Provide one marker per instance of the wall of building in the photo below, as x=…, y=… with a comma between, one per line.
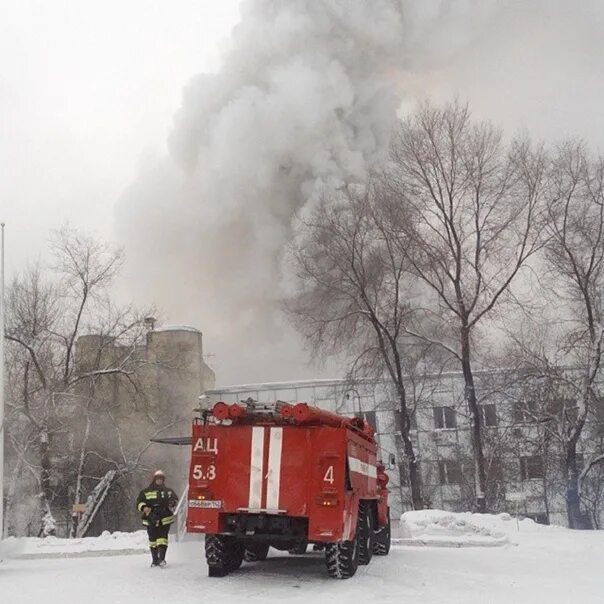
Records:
x=520, y=463
x=170, y=374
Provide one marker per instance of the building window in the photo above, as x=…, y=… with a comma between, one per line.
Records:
x=488, y=415
x=531, y=467
x=412, y=420
x=494, y=470
x=403, y=471
x=370, y=417
x=449, y=472
x=525, y=412
x=559, y=406
x=444, y=417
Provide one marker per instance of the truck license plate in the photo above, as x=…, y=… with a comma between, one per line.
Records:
x=205, y=503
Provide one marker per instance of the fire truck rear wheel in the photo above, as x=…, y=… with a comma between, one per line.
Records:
x=217, y=554
x=224, y=554
x=256, y=552
x=342, y=559
x=381, y=543
x=366, y=529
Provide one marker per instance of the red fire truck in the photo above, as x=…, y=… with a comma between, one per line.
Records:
x=286, y=476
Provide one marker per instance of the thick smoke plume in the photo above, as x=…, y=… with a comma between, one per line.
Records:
x=305, y=100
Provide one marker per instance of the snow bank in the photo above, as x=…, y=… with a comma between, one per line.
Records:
x=465, y=529
x=50, y=547
x=10, y=548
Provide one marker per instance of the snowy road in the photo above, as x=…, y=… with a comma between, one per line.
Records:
x=560, y=567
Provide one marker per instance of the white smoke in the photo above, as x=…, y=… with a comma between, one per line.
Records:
x=305, y=100
x=524, y=64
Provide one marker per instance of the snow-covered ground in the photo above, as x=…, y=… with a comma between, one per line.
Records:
x=447, y=529
x=51, y=547
x=537, y=565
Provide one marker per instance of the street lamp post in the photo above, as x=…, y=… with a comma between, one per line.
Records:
x=2, y=380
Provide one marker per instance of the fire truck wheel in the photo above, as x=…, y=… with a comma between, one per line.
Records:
x=223, y=555
x=342, y=559
x=217, y=555
x=381, y=543
x=256, y=552
x=365, y=532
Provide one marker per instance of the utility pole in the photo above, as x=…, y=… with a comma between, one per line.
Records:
x=2, y=301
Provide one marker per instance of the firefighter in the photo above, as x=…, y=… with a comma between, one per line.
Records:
x=157, y=503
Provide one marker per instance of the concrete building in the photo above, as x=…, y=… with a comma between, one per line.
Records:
x=153, y=397
x=524, y=468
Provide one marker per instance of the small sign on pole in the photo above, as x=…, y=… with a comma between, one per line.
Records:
x=78, y=508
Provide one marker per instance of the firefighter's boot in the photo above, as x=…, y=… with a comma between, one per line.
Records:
x=161, y=555
x=154, y=556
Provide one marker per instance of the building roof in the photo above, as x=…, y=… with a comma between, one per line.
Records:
x=177, y=328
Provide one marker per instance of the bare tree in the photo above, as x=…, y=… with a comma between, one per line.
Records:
x=423, y=366
x=575, y=259
x=45, y=317
x=545, y=396
x=354, y=297
x=591, y=485
x=464, y=211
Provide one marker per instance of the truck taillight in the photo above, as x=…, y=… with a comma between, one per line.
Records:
x=327, y=499
x=201, y=494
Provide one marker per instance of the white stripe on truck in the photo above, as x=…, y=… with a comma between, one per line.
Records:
x=356, y=465
x=256, y=468
x=274, y=468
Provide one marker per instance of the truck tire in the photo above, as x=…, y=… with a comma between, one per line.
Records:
x=224, y=554
x=217, y=555
x=256, y=552
x=342, y=559
x=381, y=542
x=366, y=532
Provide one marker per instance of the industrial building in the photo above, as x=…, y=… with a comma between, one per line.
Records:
x=525, y=473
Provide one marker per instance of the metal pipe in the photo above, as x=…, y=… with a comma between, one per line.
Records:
x=224, y=411
x=305, y=414
x=236, y=411
x=220, y=411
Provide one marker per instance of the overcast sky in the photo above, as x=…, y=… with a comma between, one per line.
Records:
x=87, y=89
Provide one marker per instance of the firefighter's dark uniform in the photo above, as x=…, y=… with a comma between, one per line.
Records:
x=161, y=500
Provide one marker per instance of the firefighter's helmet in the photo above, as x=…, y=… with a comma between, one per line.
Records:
x=158, y=474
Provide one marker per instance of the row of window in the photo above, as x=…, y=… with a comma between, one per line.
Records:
x=445, y=417
x=450, y=471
